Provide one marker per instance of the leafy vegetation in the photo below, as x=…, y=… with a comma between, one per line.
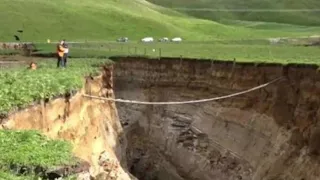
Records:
x=10, y=176
x=20, y=87
x=80, y=20
x=23, y=86
x=30, y=149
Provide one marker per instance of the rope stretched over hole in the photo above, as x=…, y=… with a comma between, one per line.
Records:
x=185, y=102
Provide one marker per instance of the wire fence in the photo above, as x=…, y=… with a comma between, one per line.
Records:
x=248, y=51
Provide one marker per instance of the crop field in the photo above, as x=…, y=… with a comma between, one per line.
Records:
x=21, y=86
x=30, y=149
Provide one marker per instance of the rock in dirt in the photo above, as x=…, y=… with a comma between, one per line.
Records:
x=62, y=171
x=110, y=167
x=85, y=176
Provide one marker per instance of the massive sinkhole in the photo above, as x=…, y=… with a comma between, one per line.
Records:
x=271, y=133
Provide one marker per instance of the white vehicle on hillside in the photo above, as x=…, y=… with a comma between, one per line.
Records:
x=176, y=39
x=123, y=39
x=147, y=39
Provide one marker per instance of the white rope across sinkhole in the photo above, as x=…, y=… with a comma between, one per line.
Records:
x=185, y=102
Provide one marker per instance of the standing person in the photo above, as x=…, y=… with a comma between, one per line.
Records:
x=60, y=53
x=65, y=55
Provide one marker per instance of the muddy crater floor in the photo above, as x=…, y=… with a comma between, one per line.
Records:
x=271, y=133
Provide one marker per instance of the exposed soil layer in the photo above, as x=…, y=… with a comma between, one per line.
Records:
x=92, y=126
x=268, y=134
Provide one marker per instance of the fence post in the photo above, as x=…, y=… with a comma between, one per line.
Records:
x=145, y=51
x=159, y=53
x=180, y=66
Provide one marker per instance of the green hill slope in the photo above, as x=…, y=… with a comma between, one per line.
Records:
x=109, y=19
x=284, y=11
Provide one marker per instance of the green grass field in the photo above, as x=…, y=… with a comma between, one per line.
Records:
x=10, y=176
x=207, y=9
x=30, y=149
x=243, y=51
x=46, y=82
x=79, y=20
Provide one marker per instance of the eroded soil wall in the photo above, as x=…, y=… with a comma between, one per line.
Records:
x=91, y=125
x=271, y=133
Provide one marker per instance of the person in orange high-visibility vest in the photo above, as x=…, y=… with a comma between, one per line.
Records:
x=60, y=53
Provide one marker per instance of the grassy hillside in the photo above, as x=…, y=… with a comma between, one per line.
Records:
x=284, y=14
x=110, y=19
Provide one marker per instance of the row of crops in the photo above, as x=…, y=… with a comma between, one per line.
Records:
x=21, y=86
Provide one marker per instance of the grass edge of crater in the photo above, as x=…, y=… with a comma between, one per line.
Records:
x=45, y=82
x=30, y=148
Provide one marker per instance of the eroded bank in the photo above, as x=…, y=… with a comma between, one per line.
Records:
x=271, y=133
x=92, y=126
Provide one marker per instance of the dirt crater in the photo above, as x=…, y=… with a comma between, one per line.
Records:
x=272, y=133
x=267, y=134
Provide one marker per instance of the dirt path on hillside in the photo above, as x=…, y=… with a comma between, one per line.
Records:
x=16, y=61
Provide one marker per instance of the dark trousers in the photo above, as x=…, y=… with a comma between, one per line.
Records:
x=60, y=62
x=65, y=57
